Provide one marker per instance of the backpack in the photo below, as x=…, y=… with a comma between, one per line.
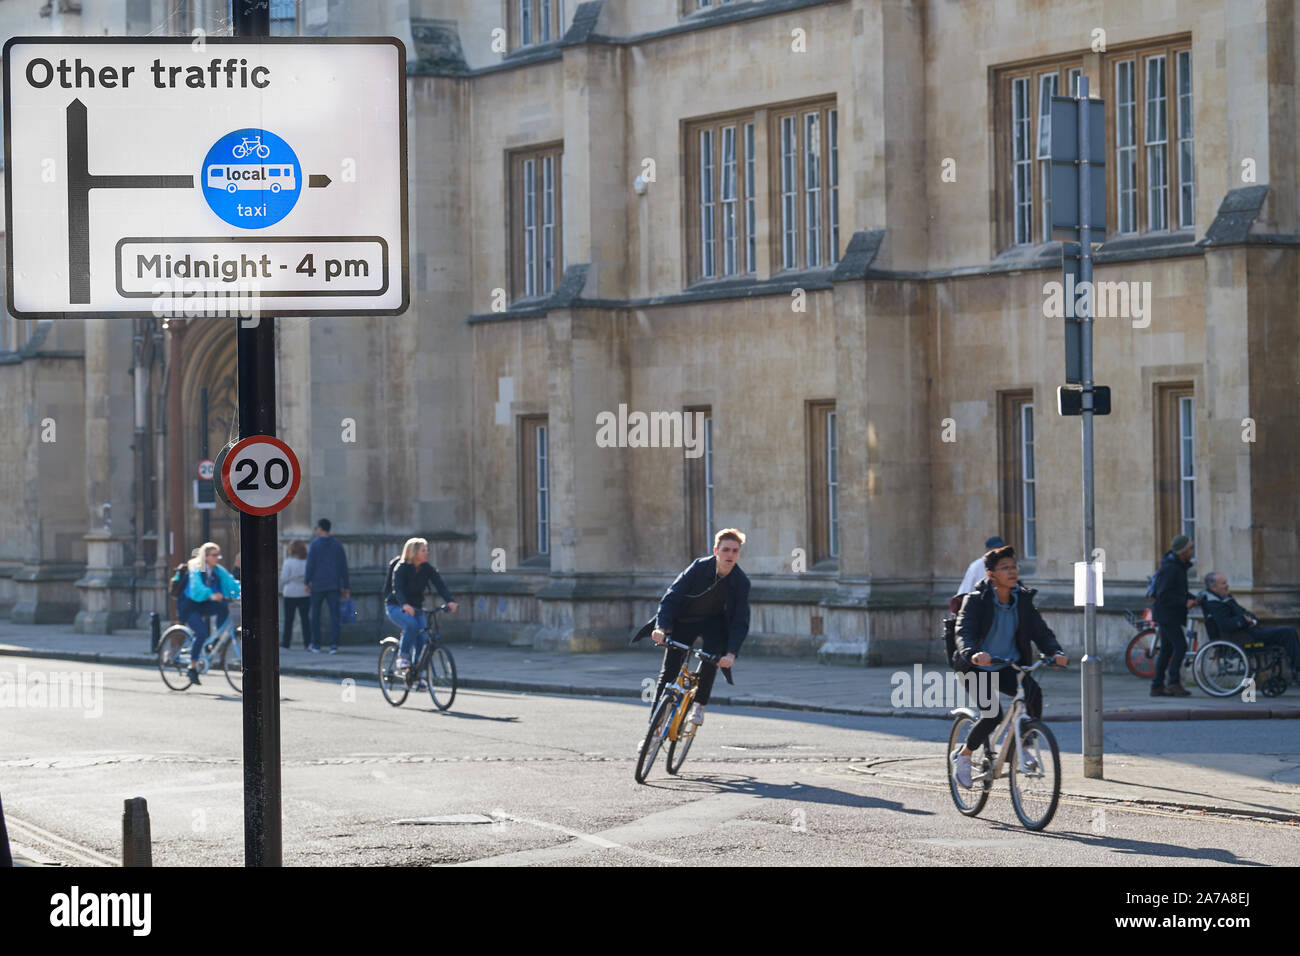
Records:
x=1151, y=588
x=179, y=580
x=950, y=644
x=388, y=581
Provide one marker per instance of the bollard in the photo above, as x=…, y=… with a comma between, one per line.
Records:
x=137, y=849
x=155, y=632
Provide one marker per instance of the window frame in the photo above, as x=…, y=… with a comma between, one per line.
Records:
x=1018, y=526
x=537, y=11
x=1177, y=58
x=707, y=259
x=699, y=490
x=823, y=488
x=1172, y=401
x=828, y=255
x=534, y=487
x=530, y=281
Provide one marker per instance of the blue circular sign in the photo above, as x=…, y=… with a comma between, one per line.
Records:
x=251, y=178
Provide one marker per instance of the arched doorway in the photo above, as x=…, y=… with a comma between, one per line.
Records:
x=209, y=383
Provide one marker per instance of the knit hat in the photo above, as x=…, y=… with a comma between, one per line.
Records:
x=1180, y=541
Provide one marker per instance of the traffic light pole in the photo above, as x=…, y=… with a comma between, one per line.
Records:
x=1090, y=666
x=258, y=533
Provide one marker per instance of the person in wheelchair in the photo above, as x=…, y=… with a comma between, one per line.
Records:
x=1238, y=625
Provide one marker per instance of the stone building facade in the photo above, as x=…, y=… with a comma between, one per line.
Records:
x=818, y=222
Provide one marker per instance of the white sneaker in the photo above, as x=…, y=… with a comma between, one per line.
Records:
x=402, y=665
x=696, y=716
x=961, y=767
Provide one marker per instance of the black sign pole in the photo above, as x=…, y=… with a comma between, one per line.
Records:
x=258, y=534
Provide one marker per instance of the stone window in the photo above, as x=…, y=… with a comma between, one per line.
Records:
x=534, y=486
x=699, y=490
x=1150, y=175
x=721, y=216
x=805, y=157
x=1175, y=465
x=536, y=218
x=1018, y=505
x=823, y=481
x=535, y=21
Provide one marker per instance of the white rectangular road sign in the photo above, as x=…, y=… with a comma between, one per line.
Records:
x=186, y=177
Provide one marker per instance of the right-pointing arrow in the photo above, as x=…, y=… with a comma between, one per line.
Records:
x=318, y=181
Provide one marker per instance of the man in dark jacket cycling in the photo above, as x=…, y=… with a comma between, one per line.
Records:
x=412, y=575
x=709, y=600
x=998, y=619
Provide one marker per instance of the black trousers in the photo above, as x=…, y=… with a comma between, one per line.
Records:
x=713, y=630
x=298, y=606
x=1173, y=648
x=1007, y=685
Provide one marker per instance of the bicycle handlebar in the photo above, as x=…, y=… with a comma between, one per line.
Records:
x=1043, y=661
x=711, y=658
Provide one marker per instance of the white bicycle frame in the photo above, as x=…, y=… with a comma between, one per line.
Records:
x=1001, y=735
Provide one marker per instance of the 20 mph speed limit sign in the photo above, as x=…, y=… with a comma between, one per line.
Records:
x=259, y=475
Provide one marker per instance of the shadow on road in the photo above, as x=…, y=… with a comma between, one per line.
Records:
x=463, y=716
x=800, y=792
x=1140, y=847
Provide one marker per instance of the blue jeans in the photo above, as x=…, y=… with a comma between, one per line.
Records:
x=332, y=599
x=412, y=631
x=196, y=616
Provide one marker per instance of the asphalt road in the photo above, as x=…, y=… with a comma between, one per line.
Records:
x=549, y=782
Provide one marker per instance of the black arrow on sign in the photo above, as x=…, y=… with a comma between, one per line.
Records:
x=318, y=181
x=80, y=182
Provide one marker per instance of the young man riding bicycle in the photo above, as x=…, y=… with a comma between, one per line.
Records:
x=998, y=619
x=709, y=600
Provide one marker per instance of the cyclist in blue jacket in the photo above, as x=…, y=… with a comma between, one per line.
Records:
x=209, y=587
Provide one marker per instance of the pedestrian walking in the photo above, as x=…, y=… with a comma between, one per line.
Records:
x=1172, y=599
x=293, y=584
x=326, y=576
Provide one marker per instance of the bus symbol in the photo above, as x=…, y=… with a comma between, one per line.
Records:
x=234, y=178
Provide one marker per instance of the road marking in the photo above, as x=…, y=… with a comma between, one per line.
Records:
x=684, y=820
x=83, y=854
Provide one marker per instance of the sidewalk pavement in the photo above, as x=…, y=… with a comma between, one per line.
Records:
x=788, y=683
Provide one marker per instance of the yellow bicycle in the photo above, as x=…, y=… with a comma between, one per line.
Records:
x=668, y=721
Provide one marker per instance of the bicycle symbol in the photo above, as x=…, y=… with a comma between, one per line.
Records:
x=242, y=149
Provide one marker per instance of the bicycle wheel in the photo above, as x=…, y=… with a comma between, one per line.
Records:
x=1141, y=655
x=393, y=686
x=441, y=675
x=1221, y=668
x=969, y=801
x=677, y=749
x=1036, y=776
x=174, y=656
x=232, y=661
x=654, y=736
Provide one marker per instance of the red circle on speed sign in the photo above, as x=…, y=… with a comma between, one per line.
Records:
x=260, y=475
x=206, y=469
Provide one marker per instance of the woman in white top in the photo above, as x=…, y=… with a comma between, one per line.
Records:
x=293, y=584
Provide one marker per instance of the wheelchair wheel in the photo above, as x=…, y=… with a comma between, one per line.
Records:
x=1221, y=668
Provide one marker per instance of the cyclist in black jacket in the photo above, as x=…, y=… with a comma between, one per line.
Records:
x=411, y=574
